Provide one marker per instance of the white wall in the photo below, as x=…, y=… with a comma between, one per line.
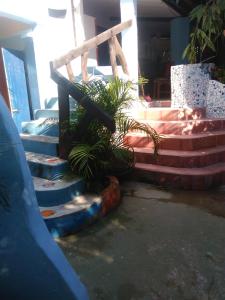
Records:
x=52, y=37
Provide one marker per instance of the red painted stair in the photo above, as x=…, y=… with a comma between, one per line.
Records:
x=191, y=152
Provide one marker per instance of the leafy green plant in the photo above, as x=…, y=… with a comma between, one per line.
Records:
x=219, y=74
x=99, y=152
x=208, y=25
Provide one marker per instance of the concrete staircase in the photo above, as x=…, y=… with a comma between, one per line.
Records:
x=191, y=152
x=63, y=202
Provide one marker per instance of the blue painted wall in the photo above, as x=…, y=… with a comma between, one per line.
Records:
x=30, y=65
x=179, y=38
x=32, y=267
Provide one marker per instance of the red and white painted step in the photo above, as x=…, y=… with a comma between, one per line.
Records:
x=191, y=152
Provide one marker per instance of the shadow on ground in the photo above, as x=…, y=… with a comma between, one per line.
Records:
x=158, y=245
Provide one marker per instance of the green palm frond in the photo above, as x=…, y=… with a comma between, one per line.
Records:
x=127, y=124
x=208, y=21
x=99, y=152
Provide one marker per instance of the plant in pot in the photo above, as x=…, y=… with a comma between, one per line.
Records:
x=100, y=153
x=207, y=30
x=190, y=82
x=207, y=44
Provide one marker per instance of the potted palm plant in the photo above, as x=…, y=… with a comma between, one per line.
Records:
x=100, y=153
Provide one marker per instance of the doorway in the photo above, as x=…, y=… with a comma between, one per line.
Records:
x=13, y=85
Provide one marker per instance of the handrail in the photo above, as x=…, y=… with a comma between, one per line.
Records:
x=93, y=111
x=66, y=87
x=91, y=43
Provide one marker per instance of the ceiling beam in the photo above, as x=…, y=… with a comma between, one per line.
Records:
x=176, y=7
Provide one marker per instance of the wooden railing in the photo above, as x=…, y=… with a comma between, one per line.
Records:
x=115, y=50
x=67, y=88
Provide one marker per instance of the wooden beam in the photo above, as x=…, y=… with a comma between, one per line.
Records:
x=120, y=55
x=92, y=43
x=84, y=59
x=70, y=72
x=112, y=54
x=64, y=119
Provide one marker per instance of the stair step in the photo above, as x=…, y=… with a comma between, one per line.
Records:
x=42, y=126
x=57, y=192
x=46, y=113
x=186, y=127
x=181, y=159
x=73, y=215
x=185, y=178
x=179, y=142
x=170, y=114
x=160, y=103
x=40, y=144
x=46, y=166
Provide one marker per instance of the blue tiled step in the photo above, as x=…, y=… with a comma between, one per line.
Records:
x=73, y=215
x=42, y=126
x=46, y=113
x=57, y=192
x=46, y=166
x=40, y=144
x=52, y=103
x=50, y=113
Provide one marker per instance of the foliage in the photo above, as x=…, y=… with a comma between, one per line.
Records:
x=219, y=74
x=99, y=152
x=208, y=25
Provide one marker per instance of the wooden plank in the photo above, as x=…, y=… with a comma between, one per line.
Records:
x=91, y=43
x=70, y=72
x=64, y=119
x=121, y=56
x=112, y=54
x=84, y=59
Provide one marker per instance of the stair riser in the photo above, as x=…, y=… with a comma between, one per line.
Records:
x=155, y=114
x=186, y=182
x=68, y=224
x=189, y=144
x=49, y=172
x=59, y=196
x=181, y=162
x=183, y=128
x=40, y=147
x=46, y=113
x=163, y=103
x=33, y=129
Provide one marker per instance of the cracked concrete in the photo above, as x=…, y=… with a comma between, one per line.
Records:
x=159, y=244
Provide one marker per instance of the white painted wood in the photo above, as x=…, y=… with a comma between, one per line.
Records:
x=128, y=11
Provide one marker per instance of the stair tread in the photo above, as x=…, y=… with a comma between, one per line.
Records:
x=44, y=159
x=204, y=171
x=40, y=138
x=42, y=184
x=181, y=121
x=182, y=136
x=77, y=204
x=199, y=152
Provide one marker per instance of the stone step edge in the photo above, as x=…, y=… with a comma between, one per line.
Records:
x=44, y=159
x=42, y=185
x=204, y=171
x=181, y=153
x=78, y=204
x=40, y=138
x=172, y=122
x=181, y=136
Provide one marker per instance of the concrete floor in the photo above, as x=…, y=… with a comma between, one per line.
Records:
x=158, y=245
